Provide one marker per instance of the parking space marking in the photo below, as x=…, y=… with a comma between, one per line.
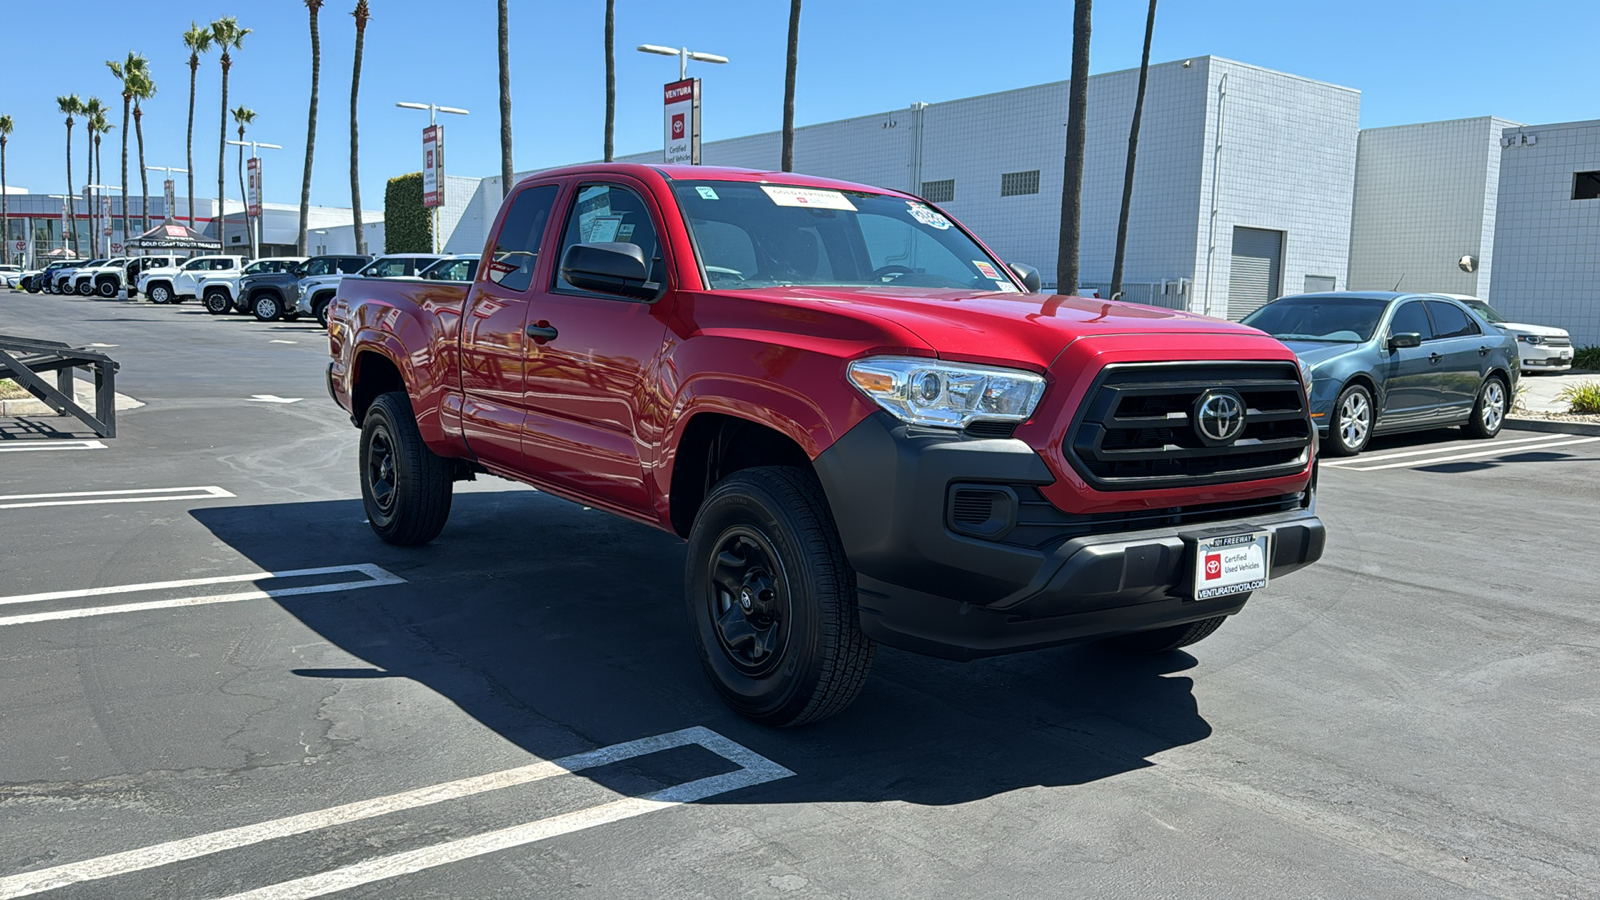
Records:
x=376, y=576
x=1428, y=451
x=754, y=769
x=54, y=445
x=276, y=341
x=272, y=398
x=136, y=495
x=1434, y=460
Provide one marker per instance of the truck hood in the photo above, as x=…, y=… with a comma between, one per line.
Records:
x=996, y=326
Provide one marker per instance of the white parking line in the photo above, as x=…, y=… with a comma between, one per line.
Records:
x=53, y=445
x=1531, y=448
x=375, y=577
x=1361, y=460
x=137, y=495
x=754, y=769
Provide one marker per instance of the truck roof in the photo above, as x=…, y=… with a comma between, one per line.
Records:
x=714, y=173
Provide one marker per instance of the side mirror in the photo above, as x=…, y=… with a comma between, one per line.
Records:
x=1029, y=276
x=1404, y=340
x=609, y=268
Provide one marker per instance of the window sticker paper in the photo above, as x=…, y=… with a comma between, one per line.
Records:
x=808, y=197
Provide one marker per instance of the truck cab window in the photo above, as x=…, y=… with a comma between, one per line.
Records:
x=605, y=213
x=516, y=247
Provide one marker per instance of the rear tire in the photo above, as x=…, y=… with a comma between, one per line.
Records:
x=1489, y=412
x=85, y=289
x=266, y=308
x=405, y=487
x=217, y=302
x=1354, y=415
x=771, y=599
x=1163, y=640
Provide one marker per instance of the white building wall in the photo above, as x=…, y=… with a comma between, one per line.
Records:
x=1426, y=196
x=1286, y=163
x=1547, y=245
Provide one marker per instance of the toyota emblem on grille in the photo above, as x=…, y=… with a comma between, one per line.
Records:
x=1219, y=417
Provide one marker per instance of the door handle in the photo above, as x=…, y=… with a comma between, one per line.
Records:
x=1483, y=351
x=1434, y=358
x=542, y=332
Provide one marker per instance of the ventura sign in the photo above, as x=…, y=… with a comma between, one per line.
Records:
x=433, y=166
x=682, y=107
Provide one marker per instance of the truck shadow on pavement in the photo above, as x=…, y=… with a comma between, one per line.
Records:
x=561, y=628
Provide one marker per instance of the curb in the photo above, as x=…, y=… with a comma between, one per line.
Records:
x=32, y=407
x=1553, y=427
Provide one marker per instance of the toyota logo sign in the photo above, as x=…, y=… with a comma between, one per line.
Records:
x=1219, y=417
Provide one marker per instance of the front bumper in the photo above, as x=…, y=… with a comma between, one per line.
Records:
x=926, y=588
x=1542, y=357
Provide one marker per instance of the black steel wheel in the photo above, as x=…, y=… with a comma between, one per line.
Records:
x=771, y=599
x=216, y=302
x=1162, y=640
x=405, y=487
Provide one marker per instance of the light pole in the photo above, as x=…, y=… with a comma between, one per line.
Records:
x=93, y=217
x=169, y=200
x=255, y=229
x=684, y=54
x=681, y=138
x=433, y=211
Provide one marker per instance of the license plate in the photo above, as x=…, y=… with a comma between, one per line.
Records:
x=1231, y=564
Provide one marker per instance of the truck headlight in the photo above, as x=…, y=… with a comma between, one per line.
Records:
x=947, y=395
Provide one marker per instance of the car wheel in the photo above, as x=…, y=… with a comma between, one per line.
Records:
x=322, y=312
x=160, y=293
x=107, y=289
x=216, y=302
x=771, y=599
x=1353, y=417
x=86, y=288
x=266, y=308
x=1162, y=640
x=1489, y=413
x=33, y=286
x=405, y=487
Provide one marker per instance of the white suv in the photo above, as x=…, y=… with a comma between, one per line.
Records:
x=180, y=283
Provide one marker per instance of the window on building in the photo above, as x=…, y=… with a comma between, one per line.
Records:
x=1586, y=186
x=1015, y=183
x=939, y=191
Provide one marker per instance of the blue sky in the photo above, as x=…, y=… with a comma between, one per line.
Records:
x=1413, y=61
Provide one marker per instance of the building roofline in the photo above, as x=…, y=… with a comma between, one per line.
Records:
x=1511, y=123
x=1581, y=123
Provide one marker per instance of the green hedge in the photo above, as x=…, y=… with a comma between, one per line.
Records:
x=407, y=227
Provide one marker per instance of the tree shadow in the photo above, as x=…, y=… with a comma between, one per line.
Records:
x=543, y=620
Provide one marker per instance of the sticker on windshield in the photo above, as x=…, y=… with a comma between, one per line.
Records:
x=1006, y=287
x=927, y=216
x=603, y=229
x=987, y=270
x=808, y=197
x=706, y=193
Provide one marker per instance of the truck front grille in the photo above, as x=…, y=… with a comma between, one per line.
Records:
x=1137, y=427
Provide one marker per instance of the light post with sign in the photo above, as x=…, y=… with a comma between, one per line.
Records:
x=252, y=203
x=169, y=190
x=112, y=249
x=681, y=105
x=433, y=164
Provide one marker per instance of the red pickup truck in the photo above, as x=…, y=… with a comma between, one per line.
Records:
x=867, y=426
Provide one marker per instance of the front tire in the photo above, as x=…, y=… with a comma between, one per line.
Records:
x=107, y=289
x=266, y=308
x=321, y=307
x=160, y=293
x=1353, y=418
x=1489, y=412
x=216, y=302
x=86, y=289
x=1163, y=640
x=405, y=487
x=771, y=599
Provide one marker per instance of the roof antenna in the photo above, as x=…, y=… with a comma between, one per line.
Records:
x=1397, y=282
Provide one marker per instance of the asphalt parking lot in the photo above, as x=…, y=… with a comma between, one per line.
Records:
x=219, y=683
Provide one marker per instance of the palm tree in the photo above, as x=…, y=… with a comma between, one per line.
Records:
x=99, y=124
x=1133, y=152
x=362, y=15
x=227, y=35
x=69, y=105
x=94, y=115
x=505, y=98
x=611, y=74
x=314, y=6
x=1072, y=181
x=788, y=86
x=144, y=87
x=243, y=116
x=198, y=40
x=125, y=72
x=6, y=126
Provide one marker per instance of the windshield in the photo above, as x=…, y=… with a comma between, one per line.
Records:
x=1489, y=313
x=1333, y=320
x=756, y=235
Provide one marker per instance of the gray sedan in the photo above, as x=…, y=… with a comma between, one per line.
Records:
x=1383, y=362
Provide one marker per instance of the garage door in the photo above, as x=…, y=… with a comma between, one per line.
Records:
x=1257, y=271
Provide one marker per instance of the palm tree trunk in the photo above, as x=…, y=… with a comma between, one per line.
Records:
x=144, y=178
x=71, y=225
x=1072, y=180
x=611, y=75
x=1133, y=153
x=127, y=99
x=355, y=135
x=189, y=144
x=788, y=86
x=311, y=136
x=505, y=100
x=222, y=158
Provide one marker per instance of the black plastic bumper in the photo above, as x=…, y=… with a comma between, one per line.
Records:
x=925, y=588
